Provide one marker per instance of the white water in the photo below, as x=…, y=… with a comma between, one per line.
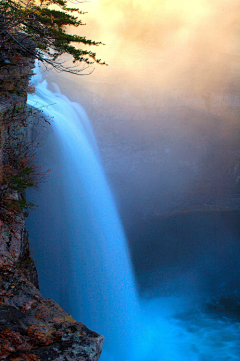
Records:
x=99, y=287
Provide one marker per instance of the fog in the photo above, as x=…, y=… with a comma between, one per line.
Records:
x=165, y=111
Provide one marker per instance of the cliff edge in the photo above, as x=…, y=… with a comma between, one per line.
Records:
x=31, y=327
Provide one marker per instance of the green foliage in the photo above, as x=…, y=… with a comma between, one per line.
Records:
x=44, y=23
x=23, y=179
x=19, y=169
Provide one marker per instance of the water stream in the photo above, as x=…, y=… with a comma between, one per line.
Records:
x=84, y=263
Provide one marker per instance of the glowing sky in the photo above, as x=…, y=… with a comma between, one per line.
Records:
x=190, y=46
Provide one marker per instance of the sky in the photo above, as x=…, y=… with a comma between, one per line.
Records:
x=164, y=42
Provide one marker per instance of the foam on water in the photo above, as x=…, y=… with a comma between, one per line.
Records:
x=182, y=330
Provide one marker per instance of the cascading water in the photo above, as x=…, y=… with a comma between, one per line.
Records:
x=100, y=285
x=83, y=260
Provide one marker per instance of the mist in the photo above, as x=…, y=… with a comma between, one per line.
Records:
x=165, y=111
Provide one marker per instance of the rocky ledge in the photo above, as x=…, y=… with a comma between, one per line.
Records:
x=31, y=327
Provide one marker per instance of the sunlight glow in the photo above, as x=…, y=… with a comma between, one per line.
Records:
x=178, y=46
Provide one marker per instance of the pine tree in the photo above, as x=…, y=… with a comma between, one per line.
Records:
x=39, y=28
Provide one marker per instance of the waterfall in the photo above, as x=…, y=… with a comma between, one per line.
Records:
x=99, y=284
x=83, y=258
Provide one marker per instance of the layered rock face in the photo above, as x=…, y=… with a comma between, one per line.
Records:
x=31, y=327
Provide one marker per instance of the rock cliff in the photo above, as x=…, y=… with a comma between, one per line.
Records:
x=31, y=327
